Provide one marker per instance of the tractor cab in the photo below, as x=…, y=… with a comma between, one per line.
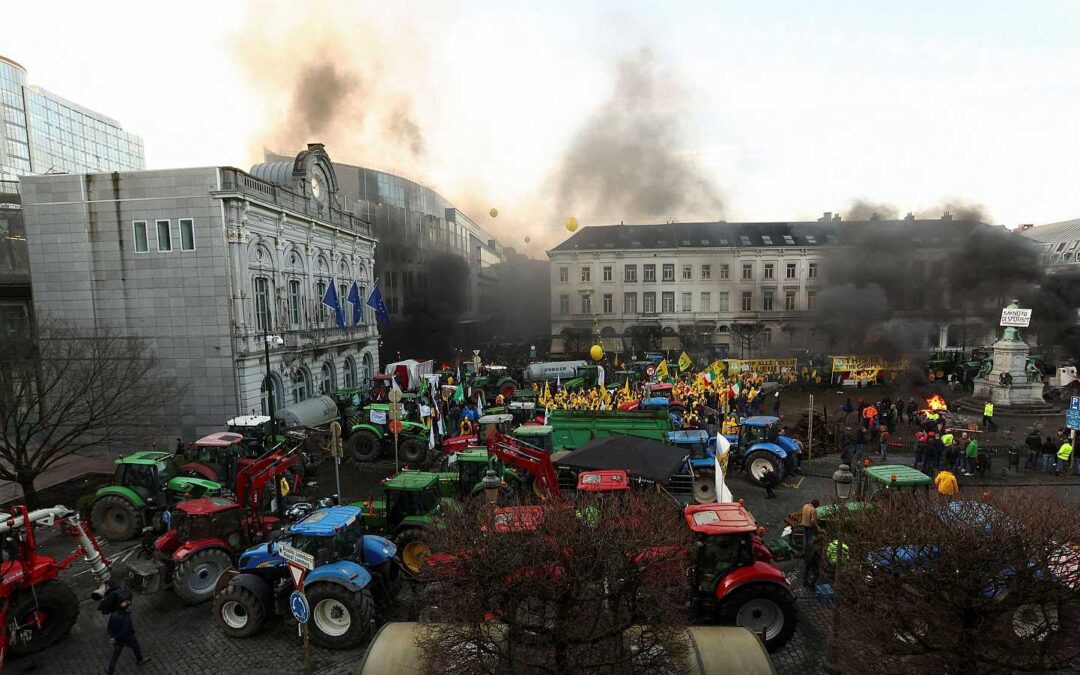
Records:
x=472, y=465
x=663, y=390
x=723, y=542
x=218, y=457
x=202, y=519
x=699, y=444
x=500, y=422
x=330, y=535
x=153, y=475
x=254, y=428
x=522, y=411
x=410, y=494
x=381, y=386
x=347, y=398
x=887, y=479
x=760, y=429
x=536, y=435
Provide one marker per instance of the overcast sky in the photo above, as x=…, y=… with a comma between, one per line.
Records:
x=788, y=109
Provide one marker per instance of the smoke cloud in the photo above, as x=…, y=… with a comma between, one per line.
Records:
x=625, y=158
x=864, y=209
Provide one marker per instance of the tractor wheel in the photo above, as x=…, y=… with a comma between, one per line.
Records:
x=705, y=487
x=340, y=618
x=351, y=420
x=195, y=578
x=413, y=450
x=115, y=518
x=758, y=463
x=39, y=616
x=238, y=612
x=414, y=546
x=363, y=446
x=766, y=609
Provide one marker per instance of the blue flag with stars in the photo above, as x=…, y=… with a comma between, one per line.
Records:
x=330, y=299
x=375, y=302
x=357, y=304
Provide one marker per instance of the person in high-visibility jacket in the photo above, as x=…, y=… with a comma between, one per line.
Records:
x=945, y=482
x=1064, y=454
x=988, y=416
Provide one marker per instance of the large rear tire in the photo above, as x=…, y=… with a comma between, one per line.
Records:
x=767, y=609
x=759, y=463
x=363, y=446
x=340, y=618
x=238, y=612
x=37, y=617
x=116, y=518
x=195, y=578
x=414, y=547
x=705, y=487
x=413, y=450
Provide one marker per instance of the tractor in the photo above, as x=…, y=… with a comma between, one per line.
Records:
x=205, y=535
x=407, y=512
x=371, y=436
x=145, y=484
x=36, y=608
x=218, y=457
x=351, y=573
x=493, y=381
x=759, y=447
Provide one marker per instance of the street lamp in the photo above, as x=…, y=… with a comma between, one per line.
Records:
x=276, y=340
x=491, y=484
x=842, y=481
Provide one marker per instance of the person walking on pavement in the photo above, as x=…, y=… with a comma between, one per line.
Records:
x=971, y=453
x=812, y=558
x=1049, y=453
x=884, y=445
x=122, y=634
x=1034, y=444
x=988, y=416
x=912, y=411
x=769, y=481
x=848, y=407
x=860, y=443
x=1064, y=454
x=808, y=522
x=776, y=404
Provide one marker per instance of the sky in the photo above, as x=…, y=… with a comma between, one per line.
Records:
x=544, y=110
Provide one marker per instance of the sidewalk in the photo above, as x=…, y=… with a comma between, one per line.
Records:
x=66, y=469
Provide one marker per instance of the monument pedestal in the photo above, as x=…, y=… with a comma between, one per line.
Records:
x=1020, y=391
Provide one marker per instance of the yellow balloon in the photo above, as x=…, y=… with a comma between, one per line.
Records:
x=596, y=352
x=493, y=213
x=571, y=223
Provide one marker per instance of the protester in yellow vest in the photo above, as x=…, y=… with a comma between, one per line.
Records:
x=988, y=416
x=946, y=485
x=1064, y=454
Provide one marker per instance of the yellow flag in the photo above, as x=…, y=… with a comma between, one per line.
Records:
x=284, y=487
x=685, y=362
x=661, y=369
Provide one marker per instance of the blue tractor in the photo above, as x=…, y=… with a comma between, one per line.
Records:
x=353, y=573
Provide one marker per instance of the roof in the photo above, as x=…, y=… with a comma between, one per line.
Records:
x=473, y=455
x=496, y=419
x=411, y=480
x=602, y=481
x=326, y=521
x=689, y=436
x=221, y=439
x=1065, y=230
x=759, y=421
x=207, y=505
x=248, y=421
x=280, y=173
x=726, y=518
x=144, y=457
x=532, y=430
x=905, y=475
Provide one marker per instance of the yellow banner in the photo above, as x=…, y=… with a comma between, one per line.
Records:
x=761, y=366
x=851, y=364
x=684, y=362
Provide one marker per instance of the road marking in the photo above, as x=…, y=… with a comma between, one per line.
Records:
x=797, y=484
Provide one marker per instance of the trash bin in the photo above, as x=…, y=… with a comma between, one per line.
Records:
x=1014, y=459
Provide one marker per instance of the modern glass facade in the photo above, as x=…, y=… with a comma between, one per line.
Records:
x=44, y=133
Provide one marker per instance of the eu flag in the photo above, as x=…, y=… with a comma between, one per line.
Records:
x=357, y=304
x=330, y=299
x=375, y=302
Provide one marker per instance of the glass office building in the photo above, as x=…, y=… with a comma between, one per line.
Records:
x=44, y=133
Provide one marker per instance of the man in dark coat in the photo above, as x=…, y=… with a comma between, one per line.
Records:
x=122, y=633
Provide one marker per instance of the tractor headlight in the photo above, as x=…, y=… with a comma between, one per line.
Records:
x=386, y=551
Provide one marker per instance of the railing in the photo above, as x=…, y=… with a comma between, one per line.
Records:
x=301, y=340
x=235, y=180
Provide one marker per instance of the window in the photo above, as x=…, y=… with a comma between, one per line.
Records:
x=650, y=273
x=141, y=243
x=769, y=267
x=608, y=304
x=326, y=378
x=564, y=304
x=767, y=301
x=262, y=304
x=725, y=271
x=706, y=302
x=607, y=273
x=187, y=234
x=350, y=373
x=649, y=303
x=300, y=386
x=686, y=302
x=790, y=273
x=722, y=302
x=586, y=304
x=630, y=273
x=811, y=271
x=294, y=302
x=564, y=274
x=687, y=272
x=789, y=301
x=629, y=303
x=748, y=271
x=745, y=240
x=706, y=272
x=747, y=301
x=164, y=235
x=811, y=296
x=586, y=275
x=669, y=273
x=789, y=240
x=767, y=239
x=668, y=302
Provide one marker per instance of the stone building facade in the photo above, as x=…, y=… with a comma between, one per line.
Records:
x=207, y=263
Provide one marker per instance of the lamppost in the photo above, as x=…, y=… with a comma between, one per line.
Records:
x=491, y=484
x=268, y=383
x=842, y=482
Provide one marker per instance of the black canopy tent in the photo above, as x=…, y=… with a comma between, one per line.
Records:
x=639, y=457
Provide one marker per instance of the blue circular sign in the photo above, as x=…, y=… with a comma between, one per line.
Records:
x=299, y=606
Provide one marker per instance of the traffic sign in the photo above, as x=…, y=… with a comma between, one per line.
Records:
x=298, y=573
x=299, y=606
x=296, y=556
x=1072, y=415
x=395, y=426
x=1074, y=403
x=650, y=371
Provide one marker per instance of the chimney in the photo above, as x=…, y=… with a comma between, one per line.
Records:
x=946, y=216
x=836, y=216
x=910, y=216
x=826, y=218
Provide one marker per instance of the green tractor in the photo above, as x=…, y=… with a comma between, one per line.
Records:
x=406, y=514
x=367, y=440
x=145, y=484
x=493, y=381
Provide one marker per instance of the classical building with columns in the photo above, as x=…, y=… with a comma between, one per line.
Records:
x=207, y=263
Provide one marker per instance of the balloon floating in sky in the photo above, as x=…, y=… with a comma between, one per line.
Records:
x=494, y=213
x=571, y=223
x=596, y=352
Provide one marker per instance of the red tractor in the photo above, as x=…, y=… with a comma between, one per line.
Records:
x=205, y=535
x=36, y=608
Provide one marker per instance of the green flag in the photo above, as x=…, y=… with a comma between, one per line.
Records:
x=459, y=394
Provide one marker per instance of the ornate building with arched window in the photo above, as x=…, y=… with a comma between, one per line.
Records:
x=224, y=271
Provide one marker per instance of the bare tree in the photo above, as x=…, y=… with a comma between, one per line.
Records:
x=747, y=335
x=980, y=586
x=559, y=588
x=63, y=390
